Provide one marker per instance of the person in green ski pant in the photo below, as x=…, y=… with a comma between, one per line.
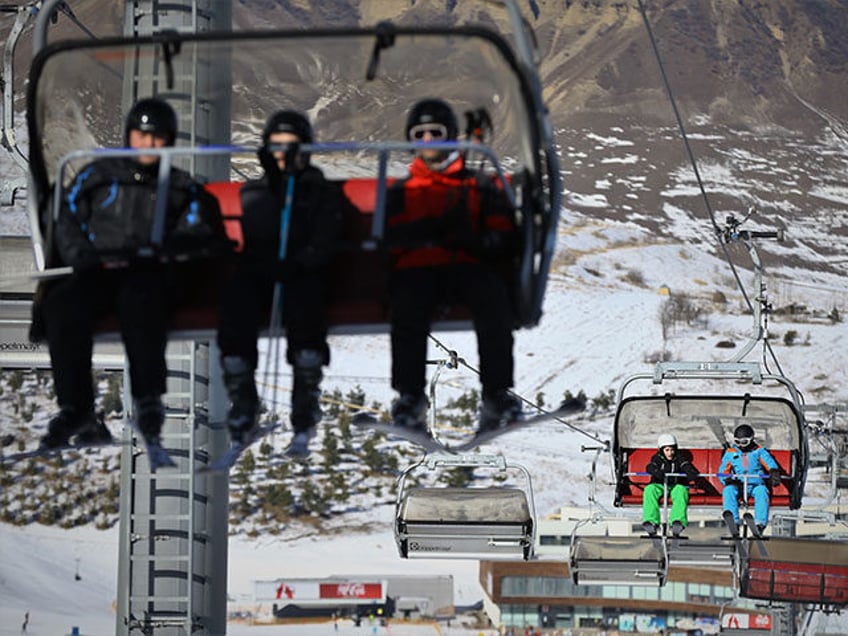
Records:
x=670, y=469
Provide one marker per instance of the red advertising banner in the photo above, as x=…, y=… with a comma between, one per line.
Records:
x=746, y=621
x=351, y=590
x=760, y=621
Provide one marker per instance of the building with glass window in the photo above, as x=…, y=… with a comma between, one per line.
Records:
x=542, y=593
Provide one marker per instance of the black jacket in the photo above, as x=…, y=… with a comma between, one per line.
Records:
x=658, y=467
x=108, y=213
x=315, y=222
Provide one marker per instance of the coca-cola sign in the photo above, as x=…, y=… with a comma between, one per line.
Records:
x=352, y=590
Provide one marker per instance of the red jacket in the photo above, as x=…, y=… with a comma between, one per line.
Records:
x=446, y=216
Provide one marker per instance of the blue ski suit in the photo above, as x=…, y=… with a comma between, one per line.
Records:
x=747, y=470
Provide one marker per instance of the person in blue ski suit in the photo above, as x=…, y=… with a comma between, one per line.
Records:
x=314, y=228
x=744, y=467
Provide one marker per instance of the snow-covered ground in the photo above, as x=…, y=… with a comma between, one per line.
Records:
x=601, y=324
x=38, y=568
x=594, y=333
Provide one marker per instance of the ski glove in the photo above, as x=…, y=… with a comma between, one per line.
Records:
x=691, y=472
x=774, y=475
x=655, y=472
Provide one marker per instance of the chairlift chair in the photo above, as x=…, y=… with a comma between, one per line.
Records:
x=793, y=570
x=608, y=560
x=76, y=89
x=704, y=421
x=464, y=523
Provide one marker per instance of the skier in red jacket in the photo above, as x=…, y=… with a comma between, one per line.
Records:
x=451, y=231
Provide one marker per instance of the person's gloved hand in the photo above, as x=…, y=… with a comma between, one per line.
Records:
x=774, y=475
x=692, y=474
x=455, y=229
x=496, y=244
x=734, y=482
x=655, y=472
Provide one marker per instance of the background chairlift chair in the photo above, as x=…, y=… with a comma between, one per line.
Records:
x=464, y=523
x=704, y=422
x=606, y=560
x=796, y=571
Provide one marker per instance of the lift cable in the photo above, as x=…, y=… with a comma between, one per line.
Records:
x=690, y=154
x=719, y=232
x=457, y=359
x=65, y=8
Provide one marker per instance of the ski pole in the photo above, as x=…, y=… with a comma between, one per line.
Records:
x=275, y=328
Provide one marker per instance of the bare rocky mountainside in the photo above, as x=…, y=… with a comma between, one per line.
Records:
x=761, y=86
x=742, y=62
x=762, y=89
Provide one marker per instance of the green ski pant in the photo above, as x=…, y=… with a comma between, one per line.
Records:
x=651, y=503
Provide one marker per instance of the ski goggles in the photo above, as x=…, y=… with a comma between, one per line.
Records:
x=743, y=441
x=436, y=132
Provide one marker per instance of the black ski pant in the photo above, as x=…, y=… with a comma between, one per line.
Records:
x=138, y=297
x=417, y=293
x=246, y=310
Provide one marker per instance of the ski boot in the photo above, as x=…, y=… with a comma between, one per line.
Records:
x=148, y=418
x=499, y=409
x=410, y=411
x=650, y=528
x=97, y=434
x=243, y=416
x=305, y=404
x=67, y=423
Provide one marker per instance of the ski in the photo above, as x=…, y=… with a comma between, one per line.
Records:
x=754, y=533
x=733, y=527
x=748, y=518
x=730, y=522
x=570, y=408
x=426, y=441
x=157, y=456
x=419, y=437
x=226, y=461
x=49, y=452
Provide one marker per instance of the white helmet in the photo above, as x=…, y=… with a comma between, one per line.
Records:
x=666, y=439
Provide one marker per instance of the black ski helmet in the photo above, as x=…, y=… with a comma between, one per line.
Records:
x=290, y=121
x=432, y=111
x=743, y=436
x=152, y=115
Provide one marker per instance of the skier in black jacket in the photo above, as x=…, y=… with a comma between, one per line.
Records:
x=104, y=231
x=668, y=467
x=313, y=230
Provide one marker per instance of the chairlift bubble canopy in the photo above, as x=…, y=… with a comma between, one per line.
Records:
x=356, y=84
x=703, y=417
